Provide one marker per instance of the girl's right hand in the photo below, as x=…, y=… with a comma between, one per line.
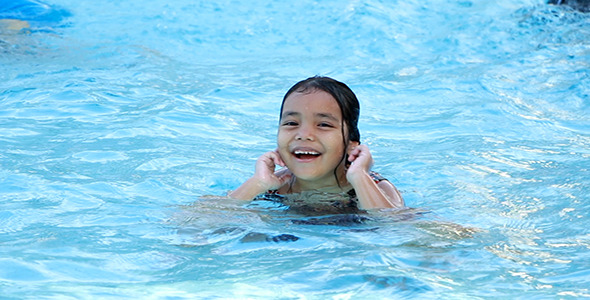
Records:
x=264, y=179
x=265, y=171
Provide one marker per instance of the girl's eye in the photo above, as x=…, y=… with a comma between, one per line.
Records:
x=325, y=125
x=290, y=123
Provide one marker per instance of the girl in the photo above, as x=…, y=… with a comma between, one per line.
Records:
x=319, y=148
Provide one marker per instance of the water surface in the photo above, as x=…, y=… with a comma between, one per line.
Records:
x=118, y=119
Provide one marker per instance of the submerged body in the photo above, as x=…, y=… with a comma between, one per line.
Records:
x=313, y=202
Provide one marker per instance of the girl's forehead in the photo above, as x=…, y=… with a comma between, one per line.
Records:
x=316, y=100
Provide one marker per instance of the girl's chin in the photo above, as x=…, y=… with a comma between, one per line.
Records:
x=310, y=172
x=305, y=175
x=311, y=175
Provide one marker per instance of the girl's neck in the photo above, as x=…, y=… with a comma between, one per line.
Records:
x=330, y=185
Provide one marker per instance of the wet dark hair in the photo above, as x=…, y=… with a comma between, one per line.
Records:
x=345, y=97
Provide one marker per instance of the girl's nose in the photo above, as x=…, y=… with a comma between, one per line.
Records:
x=305, y=133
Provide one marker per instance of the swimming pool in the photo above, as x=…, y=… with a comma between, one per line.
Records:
x=118, y=122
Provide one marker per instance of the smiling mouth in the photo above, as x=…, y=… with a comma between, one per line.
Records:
x=305, y=155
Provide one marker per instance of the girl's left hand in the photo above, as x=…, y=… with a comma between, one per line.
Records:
x=361, y=162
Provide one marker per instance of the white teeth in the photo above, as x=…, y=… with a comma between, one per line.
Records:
x=306, y=153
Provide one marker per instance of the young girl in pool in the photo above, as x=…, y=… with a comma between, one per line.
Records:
x=320, y=152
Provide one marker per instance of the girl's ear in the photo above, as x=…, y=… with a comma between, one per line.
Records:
x=351, y=146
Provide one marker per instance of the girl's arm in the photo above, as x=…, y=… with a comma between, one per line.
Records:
x=264, y=177
x=370, y=194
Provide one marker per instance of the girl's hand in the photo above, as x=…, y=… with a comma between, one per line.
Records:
x=370, y=194
x=265, y=178
x=265, y=173
x=361, y=162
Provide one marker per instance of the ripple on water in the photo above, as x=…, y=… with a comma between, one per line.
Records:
x=104, y=132
x=100, y=156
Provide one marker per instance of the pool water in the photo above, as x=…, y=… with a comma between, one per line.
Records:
x=123, y=124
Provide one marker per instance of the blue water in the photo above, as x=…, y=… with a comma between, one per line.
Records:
x=122, y=122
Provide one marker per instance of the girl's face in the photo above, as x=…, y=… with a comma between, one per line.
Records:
x=310, y=139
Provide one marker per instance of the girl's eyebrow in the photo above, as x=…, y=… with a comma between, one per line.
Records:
x=290, y=114
x=327, y=116
x=320, y=115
